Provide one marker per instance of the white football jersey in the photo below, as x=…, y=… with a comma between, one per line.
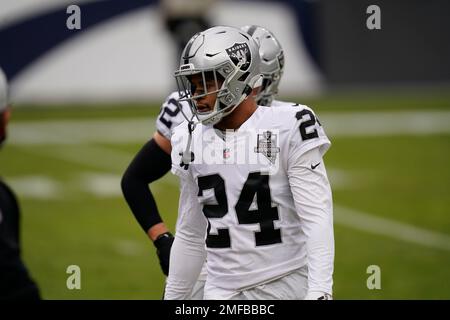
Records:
x=241, y=182
x=168, y=119
x=278, y=103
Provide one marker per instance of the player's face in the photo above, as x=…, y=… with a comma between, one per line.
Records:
x=201, y=92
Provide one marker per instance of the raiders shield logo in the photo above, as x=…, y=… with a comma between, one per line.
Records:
x=267, y=145
x=240, y=53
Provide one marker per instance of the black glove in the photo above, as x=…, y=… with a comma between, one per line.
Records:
x=163, y=244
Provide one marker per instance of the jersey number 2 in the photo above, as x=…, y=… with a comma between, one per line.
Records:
x=305, y=124
x=170, y=112
x=256, y=184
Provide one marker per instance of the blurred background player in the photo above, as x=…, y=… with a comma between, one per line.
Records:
x=184, y=18
x=153, y=160
x=15, y=282
x=271, y=66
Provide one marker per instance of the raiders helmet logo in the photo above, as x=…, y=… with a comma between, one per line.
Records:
x=239, y=53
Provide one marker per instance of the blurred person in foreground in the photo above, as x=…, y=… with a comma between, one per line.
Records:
x=15, y=281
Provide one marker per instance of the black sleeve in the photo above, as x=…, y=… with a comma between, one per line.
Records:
x=149, y=164
x=16, y=283
x=9, y=223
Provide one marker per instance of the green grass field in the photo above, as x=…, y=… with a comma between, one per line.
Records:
x=74, y=214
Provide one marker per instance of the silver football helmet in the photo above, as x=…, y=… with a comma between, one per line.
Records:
x=222, y=61
x=272, y=63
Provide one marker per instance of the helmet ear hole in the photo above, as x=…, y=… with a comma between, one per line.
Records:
x=266, y=83
x=228, y=99
x=220, y=79
x=225, y=70
x=244, y=76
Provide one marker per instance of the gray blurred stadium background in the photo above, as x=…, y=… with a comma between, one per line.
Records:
x=124, y=52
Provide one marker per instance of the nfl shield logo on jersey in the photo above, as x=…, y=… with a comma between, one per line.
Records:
x=226, y=153
x=267, y=145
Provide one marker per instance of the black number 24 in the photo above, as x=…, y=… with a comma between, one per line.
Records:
x=265, y=215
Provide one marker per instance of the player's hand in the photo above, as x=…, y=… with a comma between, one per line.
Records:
x=163, y=245
x=317, y=295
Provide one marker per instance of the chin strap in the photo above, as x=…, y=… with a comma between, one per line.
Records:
x=188, y=156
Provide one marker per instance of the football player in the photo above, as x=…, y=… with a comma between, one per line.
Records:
x=253, y=182
x=15, y=281
x=153, y=160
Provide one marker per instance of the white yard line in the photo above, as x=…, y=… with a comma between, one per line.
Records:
x=94, y=156
x=81, y=131
x=385, y=123
x=46, y=188
x=363, y=221
x=36, y=187
x=101, y=185
x=135, y=130
x=129, y=248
